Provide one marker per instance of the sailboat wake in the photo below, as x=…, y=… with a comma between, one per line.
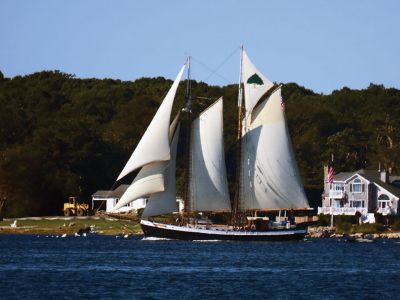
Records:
x=151, y=238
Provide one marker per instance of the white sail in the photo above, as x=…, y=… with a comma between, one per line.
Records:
x=150, y=178
x=255, y=83
x=165, y=202
x=269, y=175
x=154, y=145
x=208, y=183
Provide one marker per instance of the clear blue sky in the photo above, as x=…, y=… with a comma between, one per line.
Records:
x=323, y=45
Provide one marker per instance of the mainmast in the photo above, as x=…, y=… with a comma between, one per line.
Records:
x=187, y=160
x=241, y=112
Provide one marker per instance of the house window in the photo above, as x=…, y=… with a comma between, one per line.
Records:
x=383, y=201
x=336, y=187
x=357, y=186
x=356, y=203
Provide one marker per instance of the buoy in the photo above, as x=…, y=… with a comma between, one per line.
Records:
x=64, y=235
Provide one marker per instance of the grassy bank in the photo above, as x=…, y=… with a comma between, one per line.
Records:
x=59, y=226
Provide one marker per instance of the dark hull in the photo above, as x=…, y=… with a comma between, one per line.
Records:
x=174, y=232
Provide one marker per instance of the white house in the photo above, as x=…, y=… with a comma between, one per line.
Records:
x=364, y=191
x=106, y=200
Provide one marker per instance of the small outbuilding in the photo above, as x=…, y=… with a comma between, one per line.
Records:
x=106, y=200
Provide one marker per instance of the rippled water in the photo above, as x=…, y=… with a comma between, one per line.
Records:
x=99, y=267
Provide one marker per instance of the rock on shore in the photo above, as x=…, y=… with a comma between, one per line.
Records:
x=327, y=232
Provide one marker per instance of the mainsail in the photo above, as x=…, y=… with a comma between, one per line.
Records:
x=208, y=187
x=154, y=145
x=269, y=174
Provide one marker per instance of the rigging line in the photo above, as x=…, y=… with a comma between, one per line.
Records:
x=224, y=61
x=210, y=69
x=214, y=71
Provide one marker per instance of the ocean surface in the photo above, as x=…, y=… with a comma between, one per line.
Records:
x=101, y=267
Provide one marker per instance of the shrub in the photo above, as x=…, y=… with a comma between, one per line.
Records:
x=396, y=225
x=368, y=228
x=324, y=220
x=343, y=228
x=346, y=219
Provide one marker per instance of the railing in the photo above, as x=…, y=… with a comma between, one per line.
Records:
x=350, y=211
x=336, y=194
x=385, y=211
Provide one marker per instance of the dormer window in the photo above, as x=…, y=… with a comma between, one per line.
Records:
x=357, y=186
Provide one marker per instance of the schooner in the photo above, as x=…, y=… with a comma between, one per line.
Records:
x=267, y=175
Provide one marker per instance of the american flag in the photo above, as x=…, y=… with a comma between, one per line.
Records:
x=330, y=171
x=282, y=104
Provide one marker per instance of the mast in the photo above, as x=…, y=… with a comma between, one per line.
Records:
x=241, y=112
x=187, y=158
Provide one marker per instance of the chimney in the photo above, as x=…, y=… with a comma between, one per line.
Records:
x=325, y=173
x=384, y=176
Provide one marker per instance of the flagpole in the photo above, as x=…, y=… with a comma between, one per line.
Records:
x=330, y=180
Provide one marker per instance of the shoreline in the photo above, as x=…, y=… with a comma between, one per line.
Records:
x=73, y=226
x=70, y=226
x=328, y=232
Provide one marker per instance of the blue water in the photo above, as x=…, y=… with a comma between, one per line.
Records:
x=100, y=267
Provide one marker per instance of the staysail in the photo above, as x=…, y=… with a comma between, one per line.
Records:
x=150, y=178
x=208, y=187
x=154, y=145
x=269, y=174
x=165, y=202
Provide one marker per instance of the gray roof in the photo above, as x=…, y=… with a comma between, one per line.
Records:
x=372, y=176
x=117, y=193
x=343, y=176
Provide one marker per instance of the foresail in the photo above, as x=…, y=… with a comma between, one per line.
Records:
x=150, y=178
x=154, y=145
x=270, y=178
x=165, y=202
x=255, y=83
x=208, y=188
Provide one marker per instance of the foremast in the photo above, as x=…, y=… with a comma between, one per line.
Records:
x=187, y=158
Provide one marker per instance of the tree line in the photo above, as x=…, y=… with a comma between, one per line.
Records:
x=62, y=136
